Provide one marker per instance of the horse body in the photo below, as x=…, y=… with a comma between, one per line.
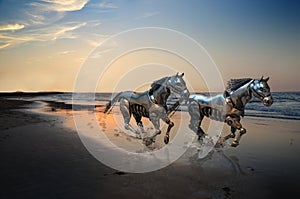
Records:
x=229, y=107
x=139, y=102
x=151, y=104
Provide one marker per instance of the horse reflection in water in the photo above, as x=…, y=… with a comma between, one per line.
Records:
x=151, y=104
x=229, y=107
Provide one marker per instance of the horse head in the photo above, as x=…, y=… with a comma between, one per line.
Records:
x=177, y=85
x=261, y=90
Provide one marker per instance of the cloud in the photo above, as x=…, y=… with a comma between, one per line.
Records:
x=60, y=5
x=35, y=19
x=63, y=32
x=93, y=23
x=99, y=54
x=4, y=46
x=104, y=6
x=13, y=40
x=50, y=33
x=95, y=41
x=12, y=27
x=66, y=52
x=9, y=38
x=105, y=48
x=147, y=15
x=43, y=20
x=107, y=5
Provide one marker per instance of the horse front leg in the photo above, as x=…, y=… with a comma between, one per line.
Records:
x=235, y=124
x=237, y=139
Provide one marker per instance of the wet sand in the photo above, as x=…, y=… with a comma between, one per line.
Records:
x=43, y=157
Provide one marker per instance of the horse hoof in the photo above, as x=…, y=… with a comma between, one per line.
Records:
x=234, y=144
x=138, y=136
x=166, y=139
x=221, y=141
x=219, y=145
x=200, y=139
x=143, y=136
x=148, y=141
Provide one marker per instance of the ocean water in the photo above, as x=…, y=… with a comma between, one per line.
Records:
x=286, y=104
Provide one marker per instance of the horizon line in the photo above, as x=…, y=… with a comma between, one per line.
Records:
x=57, y=91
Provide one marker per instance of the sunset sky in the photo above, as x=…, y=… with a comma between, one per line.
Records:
x=43, y=43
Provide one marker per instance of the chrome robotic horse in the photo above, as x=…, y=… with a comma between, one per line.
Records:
x=151, y=104
x=229, y=107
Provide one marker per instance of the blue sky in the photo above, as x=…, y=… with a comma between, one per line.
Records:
x=245, y=38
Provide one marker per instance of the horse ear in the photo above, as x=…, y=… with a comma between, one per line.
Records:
x=177, y=74
x=267, y=79
x=182, y=74
x=262, y=78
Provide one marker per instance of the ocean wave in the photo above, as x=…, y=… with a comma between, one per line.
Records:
x=286, y=104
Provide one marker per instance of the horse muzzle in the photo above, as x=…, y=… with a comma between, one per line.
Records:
x=268, y=101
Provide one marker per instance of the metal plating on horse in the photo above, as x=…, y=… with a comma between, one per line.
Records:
x=229, y=107
x=151, y=104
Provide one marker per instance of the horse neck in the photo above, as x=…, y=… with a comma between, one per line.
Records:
x=161, y=95
x=242, y=95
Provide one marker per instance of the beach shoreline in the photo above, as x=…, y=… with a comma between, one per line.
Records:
x=43, y=157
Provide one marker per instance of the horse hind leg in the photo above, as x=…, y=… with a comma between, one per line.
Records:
x=231, y=135
x=125, y=110
x=149, y=140
x=138, y=119
x=223, y=139
x=154, y=118
x=196, y=119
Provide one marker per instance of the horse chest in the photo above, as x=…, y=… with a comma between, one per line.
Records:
x=235, y=112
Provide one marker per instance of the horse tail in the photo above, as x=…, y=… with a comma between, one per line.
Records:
x=112, y=102
x=108, y=106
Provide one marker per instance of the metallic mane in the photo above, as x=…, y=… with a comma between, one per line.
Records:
x=234, y=84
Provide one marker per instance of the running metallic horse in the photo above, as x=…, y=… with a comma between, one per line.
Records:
x=229, y=107
x=151, y=104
